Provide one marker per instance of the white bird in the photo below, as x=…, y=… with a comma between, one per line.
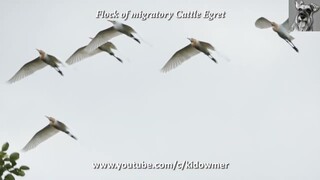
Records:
x=283, y=30
x=81, y=54
x=40, y=62
x=51, y=129
x=194, y=48
x=107, y=34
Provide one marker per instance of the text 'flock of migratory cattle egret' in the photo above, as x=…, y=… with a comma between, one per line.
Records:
x=101, y=42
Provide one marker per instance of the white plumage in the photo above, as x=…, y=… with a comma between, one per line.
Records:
x=51, y=129
x=81, y=54
x=194, y=48
x=107, y=34
x=40, y=62
x=283, y=30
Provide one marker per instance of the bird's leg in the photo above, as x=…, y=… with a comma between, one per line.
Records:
x=212, y=58
x=71, y=135
x=112, y=54
x=292, y=45
x=136, y=40
x=131, y=35
x=59, y=71
x=117, y=58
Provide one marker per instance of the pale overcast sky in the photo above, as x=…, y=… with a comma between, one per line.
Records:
x=259, y=112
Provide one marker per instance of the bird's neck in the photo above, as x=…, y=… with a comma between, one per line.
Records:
x=53, y=122
x=195, y=43
x=117, y=25
x=44, y=56
x=275, y=27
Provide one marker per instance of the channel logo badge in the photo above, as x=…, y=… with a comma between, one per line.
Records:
x=304, y=15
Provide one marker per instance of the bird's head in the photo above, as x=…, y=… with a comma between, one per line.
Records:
x=51, y=119
x=113, y=22
x=42, y=53
x=192, y=40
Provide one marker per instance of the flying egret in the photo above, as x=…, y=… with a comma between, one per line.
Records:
x=51, y=129
x=194, y=48
x=40, y=62
x=107, y=34
x=283, y=29
x=81, y=54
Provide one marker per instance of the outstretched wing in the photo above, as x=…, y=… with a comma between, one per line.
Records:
x=263, y=23
x=128, y=29
x=179, y=57
x=40, y=136
x=28, y=69
x=81, y=54
x=111, y=45
x=101, y=38
x=286, y=25
x=206, y=45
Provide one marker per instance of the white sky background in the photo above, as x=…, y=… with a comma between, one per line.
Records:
x=259, y=112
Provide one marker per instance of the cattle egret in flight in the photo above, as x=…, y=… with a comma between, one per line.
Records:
x=107, y=34
x=81, y=54
x=194, y=48
x=51, y=129
x=40, y=62
x=283, y=29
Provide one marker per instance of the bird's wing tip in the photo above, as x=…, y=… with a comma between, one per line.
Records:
x=263, y=23
x=164, y=71
x=69, y=61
